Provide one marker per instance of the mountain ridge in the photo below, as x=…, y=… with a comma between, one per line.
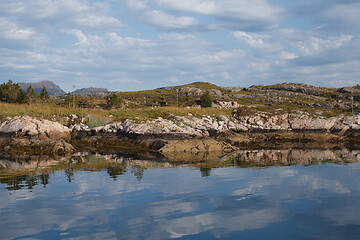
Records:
x=50, y=86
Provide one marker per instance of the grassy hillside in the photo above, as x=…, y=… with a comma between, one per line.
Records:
x=162, y=102
x=98, y=117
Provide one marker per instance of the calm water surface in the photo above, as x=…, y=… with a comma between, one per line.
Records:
x=134, y=199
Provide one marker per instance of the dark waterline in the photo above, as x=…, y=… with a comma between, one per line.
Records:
x=182, y=201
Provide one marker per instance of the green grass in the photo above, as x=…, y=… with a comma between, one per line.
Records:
x=97, y=117
x=240, y=92
x=144, y=105
x=203, y=85
x=153, y=98
x=164, y=112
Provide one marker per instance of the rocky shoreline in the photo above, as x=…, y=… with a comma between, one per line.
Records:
x=177, y=134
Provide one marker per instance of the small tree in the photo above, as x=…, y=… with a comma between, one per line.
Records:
x=30, y=95
x=44, y=96
x=114, y=101
x=206, y=100
x=68, y=100
x=11, y=92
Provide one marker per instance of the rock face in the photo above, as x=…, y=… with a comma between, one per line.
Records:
x=187, y=134
x=177, y=126
x=210, y=126
x=225, y=104
x=35, y=135
x=301, y=121
x=351, y=90
x=24, y=126
x=295, y=87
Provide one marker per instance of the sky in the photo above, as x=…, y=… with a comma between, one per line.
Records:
x=127, y=45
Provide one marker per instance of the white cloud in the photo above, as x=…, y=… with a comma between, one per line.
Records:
x=13, y=36
x=128, y=42
x=252, y=40
x=177, y=36
x=227, y=8
x=12, y=31
x=250, y=15
x=237, y=42
x=316, y=45
x=162, y=19
x=287, y=55
x=250, y=11
x=138, y=5
x=43, y=9
x=49, y=14
x=97, y=21
x=84, y=40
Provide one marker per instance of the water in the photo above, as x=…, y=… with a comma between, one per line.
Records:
x=262, y=194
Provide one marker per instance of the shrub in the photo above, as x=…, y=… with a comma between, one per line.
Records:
x=30, y=95
x=69, y=100
x=206, y=100
x=11, y=92
x=114, y=101
x=44, y=94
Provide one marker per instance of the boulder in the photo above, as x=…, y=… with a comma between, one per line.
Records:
x=225, y=104
x=26, y=134
x=25, y=126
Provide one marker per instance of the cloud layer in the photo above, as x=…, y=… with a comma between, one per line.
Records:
x=118, y=45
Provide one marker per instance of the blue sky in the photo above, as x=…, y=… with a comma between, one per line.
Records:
x=144, y=44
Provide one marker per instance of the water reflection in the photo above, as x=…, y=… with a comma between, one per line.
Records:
x=271, y=157
x=19, y=171
x=92, y=196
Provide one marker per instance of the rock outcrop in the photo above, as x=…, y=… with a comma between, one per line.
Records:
x=187, y=134
x=210, y=126
x=193, y=134
x=295, y=87
x=25, y=126
x=23, y=132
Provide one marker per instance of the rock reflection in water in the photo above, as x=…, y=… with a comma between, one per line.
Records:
x=27, y=172
x=19, y=172
x=271, y=157
x=158, y=199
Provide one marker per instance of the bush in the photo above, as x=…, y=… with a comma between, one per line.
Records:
x=30, y=95
x=114, y=101
x=69, y=100
x=206, y=100
x=11, y=92
x=44, y=96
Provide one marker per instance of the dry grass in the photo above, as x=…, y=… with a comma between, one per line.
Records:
x=98, y=117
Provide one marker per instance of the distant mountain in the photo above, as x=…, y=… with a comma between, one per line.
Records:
x=89, y=90
x=51, y=87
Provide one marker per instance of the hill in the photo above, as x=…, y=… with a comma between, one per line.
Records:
x=90, y=90
x=275, y=99
x=51, y=87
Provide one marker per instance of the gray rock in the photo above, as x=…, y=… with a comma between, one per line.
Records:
x=351, y=90
x=223, y=118
x=25, y=126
